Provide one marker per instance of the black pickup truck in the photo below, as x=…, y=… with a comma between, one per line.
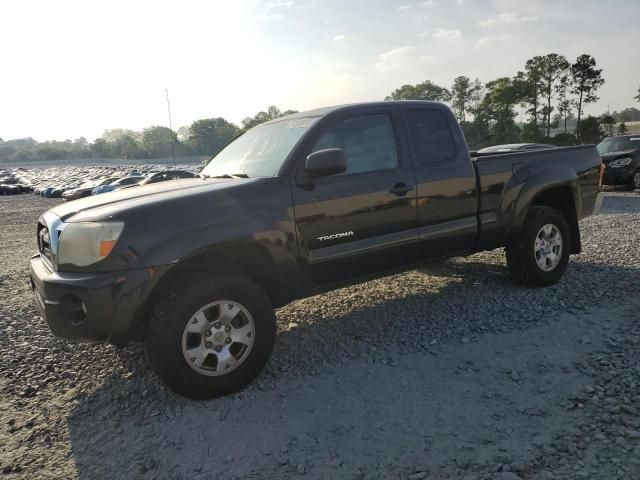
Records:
x=296, y=206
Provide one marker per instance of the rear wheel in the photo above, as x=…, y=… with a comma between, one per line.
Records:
x=540, y=256
x=636, y=179
x=211, y=337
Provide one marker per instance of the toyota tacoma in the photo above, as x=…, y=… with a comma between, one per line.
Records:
x=300, y=205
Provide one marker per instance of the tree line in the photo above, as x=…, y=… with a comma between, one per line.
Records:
x=203, y=137
x=551, y=91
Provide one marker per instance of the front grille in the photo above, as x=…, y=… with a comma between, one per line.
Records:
x=44, y=243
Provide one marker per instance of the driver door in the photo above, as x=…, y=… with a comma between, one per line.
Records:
x=364, y=220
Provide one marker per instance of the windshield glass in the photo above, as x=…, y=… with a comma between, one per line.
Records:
x=259, y=152
x=618, y=144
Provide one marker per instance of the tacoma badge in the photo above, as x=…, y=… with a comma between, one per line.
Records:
x=336, y=235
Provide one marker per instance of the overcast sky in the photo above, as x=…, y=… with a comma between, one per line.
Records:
x=74, y=68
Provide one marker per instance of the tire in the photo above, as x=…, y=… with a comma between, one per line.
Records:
x=170, y=341
x=522, y=259
x=635, y=180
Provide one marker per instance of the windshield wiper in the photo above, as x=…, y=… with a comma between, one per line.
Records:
x=240, y=175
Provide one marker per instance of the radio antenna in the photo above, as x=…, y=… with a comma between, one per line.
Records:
x=173, y=147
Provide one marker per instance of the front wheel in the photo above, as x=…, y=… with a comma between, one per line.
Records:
x=541, y=254
x=211, y=337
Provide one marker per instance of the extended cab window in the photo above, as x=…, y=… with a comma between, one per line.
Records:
x=431, y=136
x=368, y=142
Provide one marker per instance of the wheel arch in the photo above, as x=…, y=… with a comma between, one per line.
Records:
x=562, y=198
x=251, y=259
x=557, y=188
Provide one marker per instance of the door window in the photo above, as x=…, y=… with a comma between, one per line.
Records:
x=431, y=136
x=368, y=143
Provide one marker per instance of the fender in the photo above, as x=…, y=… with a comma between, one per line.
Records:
x=257, y=246
x=536, y=183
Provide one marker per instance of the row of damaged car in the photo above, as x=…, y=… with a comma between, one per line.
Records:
x=72, y=182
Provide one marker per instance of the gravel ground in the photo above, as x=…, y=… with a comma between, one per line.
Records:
x=447, y=372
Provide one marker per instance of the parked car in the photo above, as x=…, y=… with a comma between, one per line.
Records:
x=58, y=191
x=299, y=205
x=621, y=157
x=86, y=188
x=515, y=147
x=47, y=191
x=121, y=182
x=9, y=189
x=166, y=175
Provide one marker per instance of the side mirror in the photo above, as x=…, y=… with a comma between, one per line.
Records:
x=322, y=163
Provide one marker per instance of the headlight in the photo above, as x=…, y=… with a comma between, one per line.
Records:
x=85, y=243
x=620, y=162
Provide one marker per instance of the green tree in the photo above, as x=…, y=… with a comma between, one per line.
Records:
x=461, y=96
x=631, y=114
x=100, y=148
x=637, y=97
x=426, y=90
x=81, y=148
x=495, y=116
x=125, y=143
x=261, y=117
x=529, y=89
x=589, y=131
x=565, y=105
x=6, y=150
x=622, y=129
x=477, y=94
x=608, y=122
x=562, y=139
x=159, y=141
x=585, y=79
x=530, y=132
x=209, y=135
x=554, y=70
x=51, y=151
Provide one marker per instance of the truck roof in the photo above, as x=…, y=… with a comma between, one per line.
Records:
x=321, y=112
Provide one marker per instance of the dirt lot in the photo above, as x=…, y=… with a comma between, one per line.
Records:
x=451, y=372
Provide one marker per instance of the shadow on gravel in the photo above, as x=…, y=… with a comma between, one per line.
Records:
x=358, y=383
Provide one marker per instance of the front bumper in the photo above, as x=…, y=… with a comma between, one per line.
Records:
x=91, y=307
x=618, y=175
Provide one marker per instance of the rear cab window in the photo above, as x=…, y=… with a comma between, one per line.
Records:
x=430, y=136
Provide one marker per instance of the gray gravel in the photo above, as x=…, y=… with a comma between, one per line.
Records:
x=448, y=372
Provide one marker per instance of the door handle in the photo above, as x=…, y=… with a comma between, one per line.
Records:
x=400, y=189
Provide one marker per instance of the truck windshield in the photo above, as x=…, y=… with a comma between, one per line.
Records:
x=259, y=152
x=618, y=144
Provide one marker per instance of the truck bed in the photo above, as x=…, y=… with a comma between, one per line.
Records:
x=501, y=179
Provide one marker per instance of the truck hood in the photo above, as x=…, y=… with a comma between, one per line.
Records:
x=104, y=204
x=610, y=157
